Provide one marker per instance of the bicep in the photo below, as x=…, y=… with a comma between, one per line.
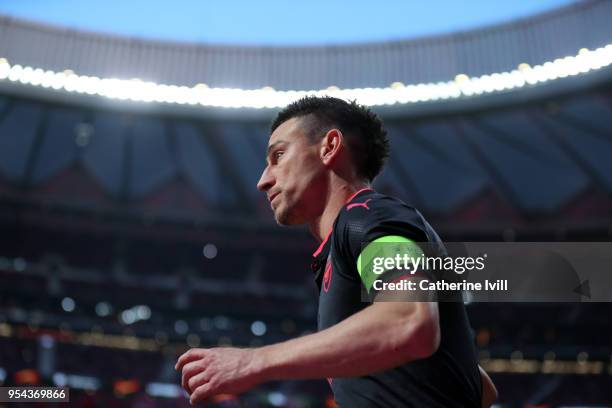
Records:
x=414, y=311
x=416, y=325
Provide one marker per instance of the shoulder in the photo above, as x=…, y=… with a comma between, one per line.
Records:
x=370, y=215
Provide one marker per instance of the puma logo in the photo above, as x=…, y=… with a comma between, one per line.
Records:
x=327, y=276
x=364, y=205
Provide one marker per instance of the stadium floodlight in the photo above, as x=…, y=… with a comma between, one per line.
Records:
x=462, y=85
x=68, y=304
x=277, y=399
x=5, y=68
x=81, y=382
x=128, y=317
x=164, y=390
x=258, y=328
x=181, y=327
x=143, y=312
x=103, y=309
x=15, y=73
x=210, y=251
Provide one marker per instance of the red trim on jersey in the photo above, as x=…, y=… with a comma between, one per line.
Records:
x=320, y=248
x=327, y=277
x=355, y=195
x=364, y=205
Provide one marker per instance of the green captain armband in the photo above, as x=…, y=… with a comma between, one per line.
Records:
x=391, y=252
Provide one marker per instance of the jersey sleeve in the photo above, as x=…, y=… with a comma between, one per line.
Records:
x=386, y=230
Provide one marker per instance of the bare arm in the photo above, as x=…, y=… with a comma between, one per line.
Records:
x=382, y=336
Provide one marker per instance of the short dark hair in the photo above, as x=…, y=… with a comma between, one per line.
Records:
x=364, y=132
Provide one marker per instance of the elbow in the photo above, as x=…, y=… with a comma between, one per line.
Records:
x=429, y=339
x=489, y=396
x=489, y=391
x=422, y=340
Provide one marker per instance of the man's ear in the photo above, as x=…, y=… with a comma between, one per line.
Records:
x=332, y=145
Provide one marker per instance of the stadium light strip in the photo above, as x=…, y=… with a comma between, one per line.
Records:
x=397, y=93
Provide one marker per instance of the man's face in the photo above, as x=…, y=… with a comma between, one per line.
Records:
x=294, y=178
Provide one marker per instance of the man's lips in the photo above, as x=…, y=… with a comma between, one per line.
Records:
x=273, y=196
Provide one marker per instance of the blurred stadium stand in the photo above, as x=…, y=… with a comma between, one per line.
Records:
x=129, y=233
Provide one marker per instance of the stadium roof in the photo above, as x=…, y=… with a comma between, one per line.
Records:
x=500, y=48
x=504, y=156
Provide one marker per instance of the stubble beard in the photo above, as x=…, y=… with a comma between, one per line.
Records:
x=287, y=216
x=283, y=217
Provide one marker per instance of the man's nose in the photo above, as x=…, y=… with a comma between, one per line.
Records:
x=266, y=181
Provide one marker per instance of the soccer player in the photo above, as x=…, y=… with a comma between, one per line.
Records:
x=323, y=154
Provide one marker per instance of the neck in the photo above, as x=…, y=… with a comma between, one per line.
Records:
x=336, y=198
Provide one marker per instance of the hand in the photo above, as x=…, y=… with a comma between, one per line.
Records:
x=207, y=372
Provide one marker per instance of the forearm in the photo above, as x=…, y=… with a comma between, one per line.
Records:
x=379, y=337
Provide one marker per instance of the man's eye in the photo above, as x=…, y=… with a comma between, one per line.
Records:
x=278, y=154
